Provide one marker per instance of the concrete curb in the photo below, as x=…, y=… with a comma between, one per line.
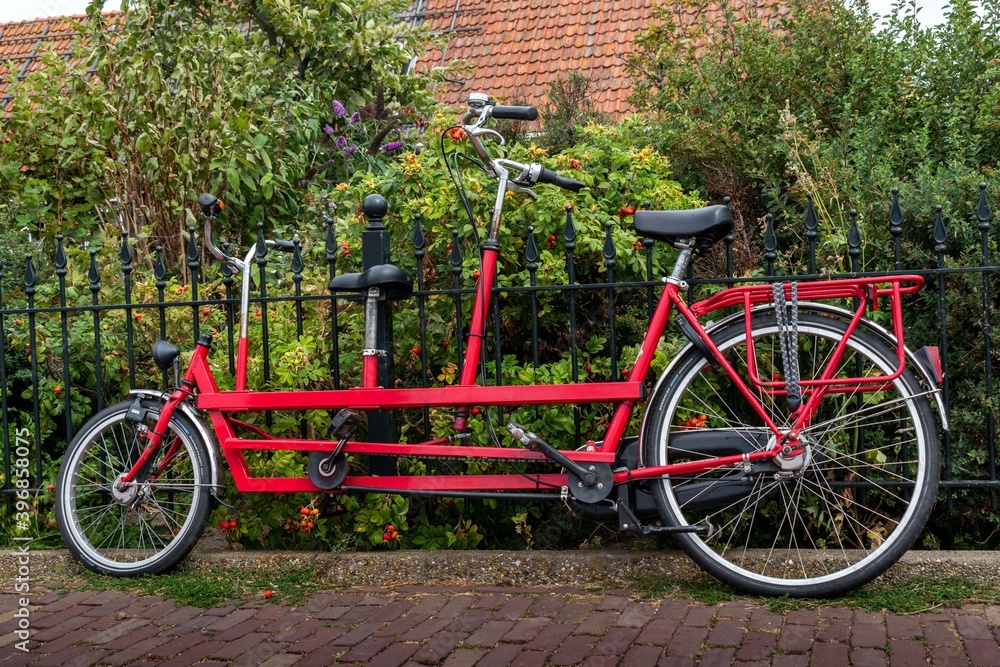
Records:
x=511, y=568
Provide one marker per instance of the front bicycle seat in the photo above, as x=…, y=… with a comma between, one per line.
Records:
x=706, y=225
x=396, y=283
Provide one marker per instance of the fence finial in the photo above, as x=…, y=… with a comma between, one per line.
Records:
x=60, y=256
x=811, y=224
x=940, y=233
x=297, y=265
x=569, y=230
x=983, y=213
x=192, y=249
x=125, y=255
x=896, y=229
x=418, y=236
x=609, y=246
x=93, y=275
x=770, y=243
x=854, y=241
x=531, y=250
x=261, y=245
x=456, y=253
x=29, y=275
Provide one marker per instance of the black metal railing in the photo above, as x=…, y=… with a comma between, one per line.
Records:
x=67, y=338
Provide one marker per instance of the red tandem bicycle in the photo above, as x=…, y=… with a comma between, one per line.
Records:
x=791, y=447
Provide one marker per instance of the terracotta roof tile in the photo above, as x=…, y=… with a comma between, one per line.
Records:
x=523, y=46
x=22, y=44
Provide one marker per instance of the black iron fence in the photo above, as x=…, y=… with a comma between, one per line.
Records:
x=76, y=336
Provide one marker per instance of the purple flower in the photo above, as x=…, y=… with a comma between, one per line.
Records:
x=341, y=142
x=392, y=146
x=328, y=129
x=350, y=150
x=339, y=109
x=355, y=118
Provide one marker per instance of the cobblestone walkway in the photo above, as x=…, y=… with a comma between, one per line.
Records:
x=485, y=626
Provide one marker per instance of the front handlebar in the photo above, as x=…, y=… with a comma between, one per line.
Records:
x=564, y=182
x=515, y=113
x=481, y=110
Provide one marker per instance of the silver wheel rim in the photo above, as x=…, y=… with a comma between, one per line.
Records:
x=117, y=537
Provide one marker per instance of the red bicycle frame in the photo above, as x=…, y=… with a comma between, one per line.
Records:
x=224, y=406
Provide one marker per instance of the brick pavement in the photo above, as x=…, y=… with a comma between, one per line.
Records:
x=486, y=626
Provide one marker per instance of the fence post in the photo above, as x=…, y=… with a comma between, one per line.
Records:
x=375, y=251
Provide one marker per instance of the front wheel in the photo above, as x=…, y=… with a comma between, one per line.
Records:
x=821, y=524
x=151, y=526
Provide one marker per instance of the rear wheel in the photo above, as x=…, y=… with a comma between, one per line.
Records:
x=822, y=523
x=152, y=525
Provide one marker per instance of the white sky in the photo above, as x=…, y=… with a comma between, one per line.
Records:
x=22, y=10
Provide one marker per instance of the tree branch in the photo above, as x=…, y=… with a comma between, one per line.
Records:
x=266, y=26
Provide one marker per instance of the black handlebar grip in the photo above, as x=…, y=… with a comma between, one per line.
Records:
x=551, y=177
x=211, y=207
x=284, y=246
x=515, y=113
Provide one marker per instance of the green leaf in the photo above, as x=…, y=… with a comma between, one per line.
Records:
x=143, y=142
x=233, y=177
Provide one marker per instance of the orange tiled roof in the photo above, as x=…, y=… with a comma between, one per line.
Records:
x=519, y=47
x=23, y=43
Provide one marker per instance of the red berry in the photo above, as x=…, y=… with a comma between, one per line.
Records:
x=224, y=525
x=385, y=537
x=475, y=275
x=51, y=487
x=475, y=412
x=445, y=343
x=415, y=351
x=305, y=511
x=390, y=528
x=626, y=211
x=137, y=317
x=206, y=312
x=57, y=389
x=551, y=241
x=268, y=595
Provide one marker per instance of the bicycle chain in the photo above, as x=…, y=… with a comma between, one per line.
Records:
x=788, y=335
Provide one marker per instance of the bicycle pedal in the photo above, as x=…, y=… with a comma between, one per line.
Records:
x=344, y=424
x=330, y=508
x=524, y=436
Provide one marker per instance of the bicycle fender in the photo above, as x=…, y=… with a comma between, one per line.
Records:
x=210, y=444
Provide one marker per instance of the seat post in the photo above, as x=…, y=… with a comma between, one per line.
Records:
x=683, y=259
x=371, y=352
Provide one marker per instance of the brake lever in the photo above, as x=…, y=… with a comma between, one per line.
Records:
x=514, y=187
x=481, y=131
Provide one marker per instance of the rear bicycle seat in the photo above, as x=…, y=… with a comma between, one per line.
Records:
x=395, y=283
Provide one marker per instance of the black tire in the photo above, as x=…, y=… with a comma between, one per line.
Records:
x=150, y=532
x=860, y=497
